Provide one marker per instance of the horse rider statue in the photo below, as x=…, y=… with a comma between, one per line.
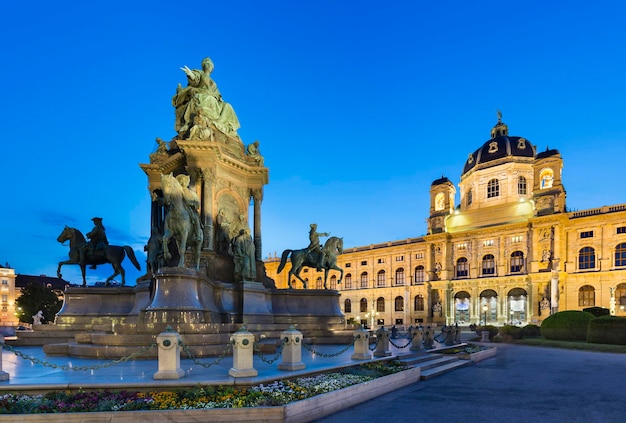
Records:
x=97, y=242
x=314, y=245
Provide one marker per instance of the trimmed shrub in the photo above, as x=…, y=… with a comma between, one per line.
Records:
x=493, y=331
x=607, y=330
x=531, y=331
x=597, y=311
x=570, y=325
x=509, y=332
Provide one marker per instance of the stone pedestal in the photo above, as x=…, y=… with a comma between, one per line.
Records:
x=3, y=375
x=361, y=345
x=243, y=354
x=292, y=350
x=181, y=295
x=257, y=303
x=168, y=343
x=382, y=343
x=484, y=336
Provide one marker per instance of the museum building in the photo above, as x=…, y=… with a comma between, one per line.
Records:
x=510, y=252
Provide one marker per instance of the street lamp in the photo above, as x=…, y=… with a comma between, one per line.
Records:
x=485, y=314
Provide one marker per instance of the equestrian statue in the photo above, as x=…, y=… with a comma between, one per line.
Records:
x=96, y=251
x=315, y=255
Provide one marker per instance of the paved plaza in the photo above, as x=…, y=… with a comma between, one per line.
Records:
x=520, y=384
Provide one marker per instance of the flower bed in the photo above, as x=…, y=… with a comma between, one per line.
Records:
x=472, y=352
x=278, y=393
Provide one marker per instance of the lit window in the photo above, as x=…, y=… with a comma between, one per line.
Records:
x=546, y=178
x=461, y=268
x=489, y=264
x=333, y=282
x=517, y=261
x=318, y=283
x=493, y=188
x=521, y=185
x=440, y=201
x=488, y=243
x=400, y=258
x=462, y=246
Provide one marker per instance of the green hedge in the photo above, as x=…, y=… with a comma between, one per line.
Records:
x=607, y=330
x=531, y=331
x=493, y=331
x=511, y=332
x=568, y=325
x=597, y=311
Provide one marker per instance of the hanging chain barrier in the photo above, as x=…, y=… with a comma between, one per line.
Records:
x=270, y=361
x=375, y=344
x=408, y=343
x=224, y=354
x=35, y=360
x=328, y=355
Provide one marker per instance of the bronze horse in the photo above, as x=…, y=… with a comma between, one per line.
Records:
x=113, y=254
x=179, y=223
x=301, y=258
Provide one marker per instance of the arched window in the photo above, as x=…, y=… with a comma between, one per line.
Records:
x=489, y=265
x=586, y=296
x=440, y=201
x=469, y=196
x=400, y=276
x=363, y=305
x=318, y=283
x=462, y=270
x=521, y=185
x=380, y=305
x=364, y=281
x=418, y=303
x=348, y=281
x=399, y=304
x=493, y=188
x=380, y=279
x=620, y=254
x=586, y=258
x=419, y=275
x=347, y=306
x=546, y=177
x=333, y=282
x=517, y=261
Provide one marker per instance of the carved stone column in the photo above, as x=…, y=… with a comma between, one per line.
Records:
x=207, y=207
x=257, y=194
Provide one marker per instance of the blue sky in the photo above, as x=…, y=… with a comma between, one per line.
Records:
x=358, y=107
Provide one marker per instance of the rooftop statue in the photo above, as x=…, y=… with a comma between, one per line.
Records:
x=316, y=256
x=201, y=94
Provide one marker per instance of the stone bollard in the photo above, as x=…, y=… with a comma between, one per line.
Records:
x=169, y=343
x=428, y=338
x=382, y=343
x=292, y=350
x=3, y=375
x=416, y=339
x=361, y=345
x=484, y=336
x=243, y=353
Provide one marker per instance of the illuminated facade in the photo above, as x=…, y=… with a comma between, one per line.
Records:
x=508, y=252
x=7, y=297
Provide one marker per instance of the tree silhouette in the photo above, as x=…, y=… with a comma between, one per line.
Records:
x=34, y=298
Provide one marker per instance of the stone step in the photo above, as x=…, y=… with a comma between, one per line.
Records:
x=444, y=368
